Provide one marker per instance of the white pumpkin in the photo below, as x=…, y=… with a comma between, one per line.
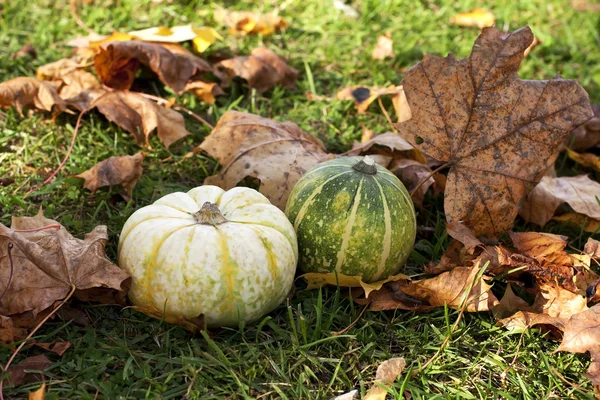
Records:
x=229, y=255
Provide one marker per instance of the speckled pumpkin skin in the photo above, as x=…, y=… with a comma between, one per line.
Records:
x=351, y=222
x=238, y=270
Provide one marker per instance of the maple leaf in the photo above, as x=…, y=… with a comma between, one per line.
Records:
x=48, y=263
x=116, y=170
x=24, y=92
x=496, y=132
x=263, y=69
x=580, y=192
x=134, y=113
x=118, y=62
x=582, y=333
x=277, y=153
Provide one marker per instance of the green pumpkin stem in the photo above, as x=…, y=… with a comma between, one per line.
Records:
x=209, y=214
x=366, y=166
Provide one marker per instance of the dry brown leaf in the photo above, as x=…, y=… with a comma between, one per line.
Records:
x=134, y=113
x=450, y=288
x=317, y=279
x=387, y=372
x=413, y=174
x=588, y=160
x=71, y=74
x=205, y=91
x=558, y=302
x=9, y=332
x=592, y=248
x=26, y=51
x=49, y=262
x=390, y=140
x=523, y=320
x=582, y=333
x=460, y=232
x=263, y=70
x=401, y=106
x=193, y=325
x=580, y=192
x=384, y=47
x=118, y=62
x=246, y=22
x=509, y=304
x=363, y=96
x=24, y=92
x=452, y=257
x=116, y=170
x=276, y=153
x=536, y=42
x=540, y=245
x=497, y=133
x=588, y=224
x=56, y=347
x=367, y=134
x=39, y=394
x=587, y=135
x=477, y=17
x=17, y=375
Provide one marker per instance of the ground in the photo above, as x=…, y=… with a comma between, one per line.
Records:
x=292, y=353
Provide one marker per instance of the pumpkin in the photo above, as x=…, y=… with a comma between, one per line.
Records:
x=353, y=217
x=227, y=255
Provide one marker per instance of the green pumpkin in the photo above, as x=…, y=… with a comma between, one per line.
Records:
x=354, y=217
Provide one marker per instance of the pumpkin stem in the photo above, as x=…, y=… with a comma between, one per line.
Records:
x=366, y=166
x=209, y=214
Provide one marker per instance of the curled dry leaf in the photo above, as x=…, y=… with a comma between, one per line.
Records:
x=363, y=96
x=509, y=304
x=24, y=92
x=263, y=70
x=588, y=224
x=116, y=170
x=26, y=51
x=582, y=333
x=118, y=62
x=523, y=320
x=580, y=192
x=460, y=232
x=592, y=248
x=496, y=132
x=451, y=288
x=71, y=75
x=390, y=140
x=316, y=280
x=55, y=347
x=246, y=22
x=414, y=175
x=38, y=394
x=205, y=91
x=9, y=332
x=387, y=372
x=48, y=262
x=134, y=113
x=202, y=38
x=367, y=134
x=277, y=153
x=586, y=136
x=588, y=160
x=384, y=47
x=17, y=374
x=477, y=17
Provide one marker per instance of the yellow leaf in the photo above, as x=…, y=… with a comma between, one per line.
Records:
x=588, y=224
x=206, y=91
x=478, y=17
x=115, y=37
x=204, y=38
x=38, y=394
x=363, y=96
x=246, y=22
x=589, y=160
x=317, y=280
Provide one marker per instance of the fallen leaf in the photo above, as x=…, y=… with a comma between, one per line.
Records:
x=363, y=96
x=118, y=62
x=536, y=42
x=585, y=5
x=116, y=170
x=401, y=106
x=523, y=320
x=586, y=136
x=48, y=262
x=588, y=160
x=477, y=17
x=497, y=133
x=557, y=302
x=276, y=153
x=414, y=175
x=72, y=76
x=316, y=280
x=346, y=9
x=539, y=245
x=38, y=394
x=246, y=22
x=263, y=70
x=24, y=92
x=509, y=304
x=55, y=347
x=205, y=91
x=582, y=334
x=202, y=38
x=136, y=114
x=85, y=41
x=460, y=232
x=26, y=51
x=387, y=372
x=367, y=134
x=592, y=248
x=588, y=224
x=351, y=395
x=384, y=47
x=452, y=257
x=18, y=374
x=580, y=192
x=450, y=288
x=390, y=140
x=9, y=333
x=193, y=325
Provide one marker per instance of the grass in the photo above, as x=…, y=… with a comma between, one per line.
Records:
x=291, y=353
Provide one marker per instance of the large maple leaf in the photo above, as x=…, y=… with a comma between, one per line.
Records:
x=496, y=132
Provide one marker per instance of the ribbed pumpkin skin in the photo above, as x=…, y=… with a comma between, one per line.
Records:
x=351, y=222
x=238, y=270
